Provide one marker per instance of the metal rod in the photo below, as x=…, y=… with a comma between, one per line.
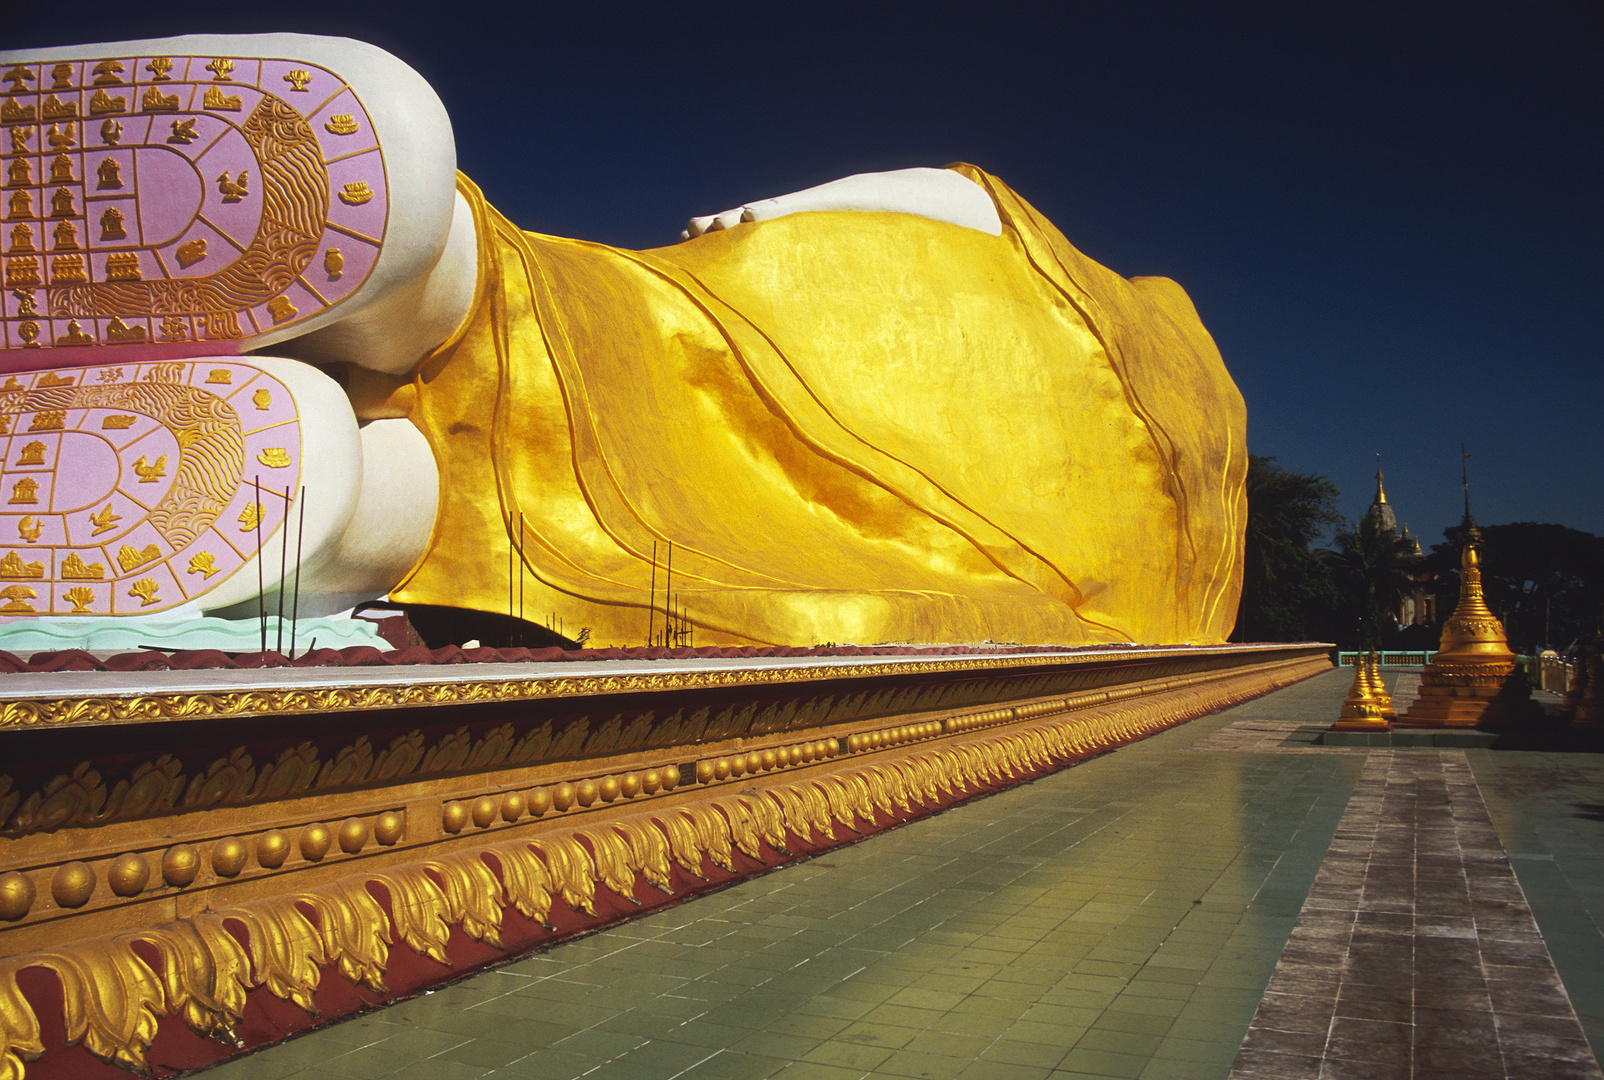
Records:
x=283, y=560
x=295, y=609
x=261, y=584
x=668, y=591
x=651, y=604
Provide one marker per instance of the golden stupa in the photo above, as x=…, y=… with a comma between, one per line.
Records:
x=1472, y=680
x=1378, y=688
x=1363, y=710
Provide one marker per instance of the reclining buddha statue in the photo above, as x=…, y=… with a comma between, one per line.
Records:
x=250, y=308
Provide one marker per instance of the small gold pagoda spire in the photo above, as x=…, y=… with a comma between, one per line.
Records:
x=1473, y=633
x=1360, y=710
x=1378, y=688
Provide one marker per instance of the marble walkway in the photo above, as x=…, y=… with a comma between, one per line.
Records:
x=1226, y=899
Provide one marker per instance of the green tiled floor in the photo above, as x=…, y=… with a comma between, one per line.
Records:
x=1549, y=812
x=1117, y=919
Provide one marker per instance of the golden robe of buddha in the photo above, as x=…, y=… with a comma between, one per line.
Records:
x=851, y=426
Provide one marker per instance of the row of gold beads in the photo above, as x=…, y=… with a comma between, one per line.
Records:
x=709, y=770
x=895, y=736
x=971, y=721
x=74, y=883
x=484, y=811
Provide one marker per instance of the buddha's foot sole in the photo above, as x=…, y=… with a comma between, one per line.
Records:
x=161, y=205
x=131, y=488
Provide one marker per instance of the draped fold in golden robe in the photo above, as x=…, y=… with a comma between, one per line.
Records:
x=853, y=427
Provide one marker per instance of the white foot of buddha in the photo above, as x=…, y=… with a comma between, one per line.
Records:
x=170, y=210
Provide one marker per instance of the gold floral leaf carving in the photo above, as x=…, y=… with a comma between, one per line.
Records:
x=401, y=758
x=711, y=833
x=225, y=780
x=879, y=794
x=805, y=811
x=291, y=773
x=648, y=851
x=286, y=950
x=419, y=909
x=204, y=976
x=354, y=930
x=534, y=746
x=573, y=872
x=848, y=800
x=350, y=765
x=110, y=1001
x=474, y=896
x=567, y=744
x=450, y=753
x=32, y=713
x=19, y=1028
x=526, y=879
x=491, y=748
x=636, y=733
x=64, y=800
x=753, y=821
x=615, y=867
x=680, y=833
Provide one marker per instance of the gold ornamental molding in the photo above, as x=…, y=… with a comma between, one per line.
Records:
x=163, y=785
x=490, y=851
x=147, y=708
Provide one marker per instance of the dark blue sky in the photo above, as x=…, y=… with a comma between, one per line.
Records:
x=1391, y=216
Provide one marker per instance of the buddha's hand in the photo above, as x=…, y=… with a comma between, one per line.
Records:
x=170, y=208
x=940, y=194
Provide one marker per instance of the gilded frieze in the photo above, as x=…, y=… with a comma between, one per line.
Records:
x=83, y=797
x=114, y=999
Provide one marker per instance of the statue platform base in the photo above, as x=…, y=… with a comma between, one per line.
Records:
x=1424, y=739
x=196, y=863
x=1362, y=724
x=1461, y=696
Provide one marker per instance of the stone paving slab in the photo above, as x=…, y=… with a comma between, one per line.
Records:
x=1548, y=809
x=1416, y=955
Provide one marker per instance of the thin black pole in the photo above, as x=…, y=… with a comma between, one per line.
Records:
x=651, y=604
x=261, y=583
x=283, y=561
x=295, y=609
x=668, y=591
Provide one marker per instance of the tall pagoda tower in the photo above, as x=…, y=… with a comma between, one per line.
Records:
x=1380, y=508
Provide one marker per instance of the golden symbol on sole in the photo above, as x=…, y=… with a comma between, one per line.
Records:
x=145, y=590
x=191, y=253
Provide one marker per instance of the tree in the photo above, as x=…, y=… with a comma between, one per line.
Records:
x=1287, y=592
x=1543, y=581
x=1376, y=569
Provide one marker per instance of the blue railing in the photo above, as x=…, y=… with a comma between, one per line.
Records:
x=1405, y=659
